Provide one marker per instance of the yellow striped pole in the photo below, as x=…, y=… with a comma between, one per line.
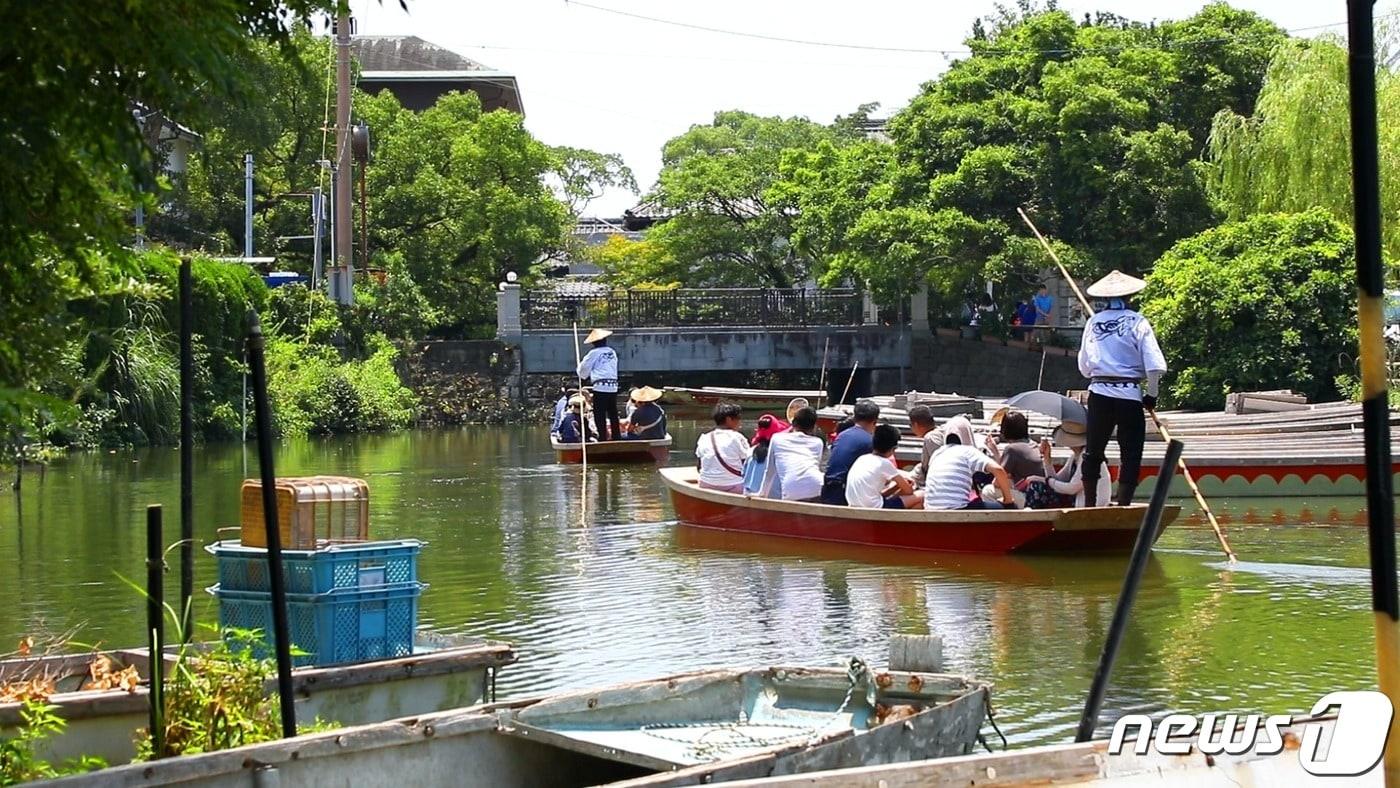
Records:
x=1370, y=280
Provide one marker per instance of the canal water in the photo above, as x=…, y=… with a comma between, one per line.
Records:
x=606, y=587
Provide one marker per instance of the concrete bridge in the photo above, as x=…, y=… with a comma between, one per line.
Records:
x=710, y=330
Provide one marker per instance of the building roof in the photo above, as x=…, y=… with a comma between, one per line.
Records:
x=419, y=72
x=408, y=53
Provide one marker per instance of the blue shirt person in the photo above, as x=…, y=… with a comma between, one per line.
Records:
x=850, y=445
x=1044, y=306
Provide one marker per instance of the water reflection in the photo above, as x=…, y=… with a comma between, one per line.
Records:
x=602, y=586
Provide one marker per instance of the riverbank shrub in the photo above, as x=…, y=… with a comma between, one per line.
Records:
x=314, y=392
x=19, y=761
x=1265, y=303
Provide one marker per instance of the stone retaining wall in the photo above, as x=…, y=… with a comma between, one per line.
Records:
x=946, y=363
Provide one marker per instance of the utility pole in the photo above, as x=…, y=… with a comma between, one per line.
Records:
x=247, y=205
x=317, y=213
x=344, y=275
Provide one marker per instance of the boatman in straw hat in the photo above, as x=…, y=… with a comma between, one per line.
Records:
x=600, y=368
x=1118, y=352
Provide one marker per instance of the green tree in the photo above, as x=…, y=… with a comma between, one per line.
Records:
x=1294, y=152
x=461, y=194
x=74, y=161
x=1095, y=126
x=1260, y=304
x=725, y=225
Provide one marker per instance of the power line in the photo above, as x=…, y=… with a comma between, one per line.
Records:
x=946, y=52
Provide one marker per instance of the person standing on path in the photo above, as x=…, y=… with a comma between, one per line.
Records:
x=600, y=368
x=1119, y=351
x=1044, y=306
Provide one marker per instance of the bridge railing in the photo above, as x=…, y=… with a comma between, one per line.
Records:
x=693, y=307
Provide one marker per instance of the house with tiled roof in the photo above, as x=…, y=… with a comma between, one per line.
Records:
x=419, y=72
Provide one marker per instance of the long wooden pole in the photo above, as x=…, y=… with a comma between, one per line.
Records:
x=821, y=379
x=1375, y=405
x=582, y=427
x=849, y=381
x=1162, y=428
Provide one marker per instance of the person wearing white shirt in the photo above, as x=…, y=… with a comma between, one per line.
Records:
x=795, y=460
x=874, y=475
x=720, y=454
x=1118, y=352
x=1069, y=479
x=600, y=368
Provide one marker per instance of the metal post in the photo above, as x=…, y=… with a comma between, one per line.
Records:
x=276, y=583
x=1370, y=280
x=155, y=624
x=344, y=170
x=1142, y=550
x=247, y=205
x=186, y=447
x=317, y=213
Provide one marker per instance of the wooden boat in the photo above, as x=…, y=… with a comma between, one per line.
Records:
x=445, y=673
x=702, y=400
x=1090, y=764
x=613, y=452
x=695, y=728
x=1017, y=531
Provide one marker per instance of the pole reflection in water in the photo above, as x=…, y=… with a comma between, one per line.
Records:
x=632, y=595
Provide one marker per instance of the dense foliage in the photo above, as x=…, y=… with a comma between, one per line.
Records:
x=74, y=160
x=1096, y=126
x=1266, y=303
x=1294, y=152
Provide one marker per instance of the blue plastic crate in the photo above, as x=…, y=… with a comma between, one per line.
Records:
x=343, y=566
x=332, y=628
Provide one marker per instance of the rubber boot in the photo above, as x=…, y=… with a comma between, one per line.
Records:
x=1125, y=493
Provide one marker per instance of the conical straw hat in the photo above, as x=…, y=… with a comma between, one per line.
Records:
x=647, y=394
x=597, y=334
x=1116, y=285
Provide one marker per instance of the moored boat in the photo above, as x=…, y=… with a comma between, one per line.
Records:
x=444, y=672
x=1092, y=764
x=1000, y=531
x=613, y=452
x=700, y=401
x=690, y=729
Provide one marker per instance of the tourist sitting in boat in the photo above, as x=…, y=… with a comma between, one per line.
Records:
x=721, y=453
x=560, y=407
x=768, y=426
x=571, y=425
x=1067, y=483
x=922, y=424
x=875, y=482
x=795, y=461
x=848, y=446
x=648, y=421
x=953, y=468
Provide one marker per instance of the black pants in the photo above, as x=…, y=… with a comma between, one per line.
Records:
x=605, y=413
x=1106, y=413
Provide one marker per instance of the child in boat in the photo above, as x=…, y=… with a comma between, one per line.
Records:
x=721, y=453
x=795, y=461
x=768, y=426
x=875, y=482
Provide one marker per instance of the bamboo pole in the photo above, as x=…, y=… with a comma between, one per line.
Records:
x=1162, y=428
x=849, y=381
x=582, y=427
x=1370, y=280
x=821, y=379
